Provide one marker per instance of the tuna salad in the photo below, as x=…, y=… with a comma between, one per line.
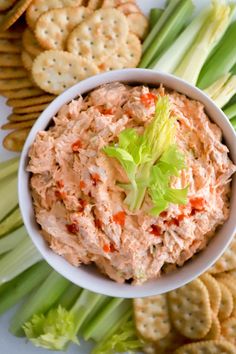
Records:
x=133, y=179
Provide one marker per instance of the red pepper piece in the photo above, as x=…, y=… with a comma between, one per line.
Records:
x=95, y=178
x=112, y=248
x=119, y=218
x=163, y=214
x=106, y=248
x=148, y=99
x=83, y=204
x=173, y=221
x=76, y=146
x=82, y=184
x=60, y=184
x=155, y=230
x=72, y=228
x=198, y=203
x=98, y=223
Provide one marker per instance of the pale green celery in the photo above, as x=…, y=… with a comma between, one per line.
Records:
x=168, y=32
x=22, y=285
x=8, y=167
x=104, y=300
x=40, y=301
x=230, y=111
x=59, y=327
x=233, y=122
x=69, y=297
x=222, y=61
x=107, y=318
x=19, y=259
x=217, y=86
x=8, y=194
x=155, y=15
x=12, y=240
x=227, y=92
x=171, y=58
x=11, y=222
x=210, y=34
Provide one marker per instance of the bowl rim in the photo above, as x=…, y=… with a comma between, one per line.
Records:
x=93, y=280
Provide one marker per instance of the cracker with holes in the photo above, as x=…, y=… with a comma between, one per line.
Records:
x=27, y=60
x=30, y=43
x=14, y=13
x=54, y=71
x=10, y=60
x=151, y=317
x=214, y=291
x=226, y=304
x=10, y=46
x=114, y=3
x=98, y=36
x=54, y=26
x=94, y=4
x=215, y=330
x=126, y=56
x=170, y=342
x=16, y=139
x=207, y=347
x=229, y=329
x=129, y=8
x=190, y=309
x=38, y=7
x=138, y=24
x=227, y=261
x=229, y=282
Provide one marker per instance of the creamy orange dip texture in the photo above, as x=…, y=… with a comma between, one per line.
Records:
x=80, y=206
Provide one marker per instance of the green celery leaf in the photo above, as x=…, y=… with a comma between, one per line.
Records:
x=172, y=160
x=124, y=157
x=176, y=196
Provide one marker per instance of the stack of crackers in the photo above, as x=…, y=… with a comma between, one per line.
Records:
x=199, y=317
x=57, y=43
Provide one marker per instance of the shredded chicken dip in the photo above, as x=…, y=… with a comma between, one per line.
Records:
x=80, y=206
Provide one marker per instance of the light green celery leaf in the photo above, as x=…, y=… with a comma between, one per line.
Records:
x=52, y=331
x=124, y=157
x=172, y=160
x=176, y=196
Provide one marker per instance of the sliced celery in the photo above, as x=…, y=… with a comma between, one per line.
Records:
x=8, y=167
x=233, y=122
x=222, y=61
x=9, y=197
x=13, y=239
x=168, y=32
x=19, y=259
x=155, y=15
x=70, y=296
x=230, y=111
x=39, y=302
x=23, y=284
x=104, y=300
x=11, y=222
x=174, y=54
x=210, y=34
x=227, y=92
x=215, y=89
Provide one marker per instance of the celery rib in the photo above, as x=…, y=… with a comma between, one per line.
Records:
x=9, y=197
x=230, y=111
x=155, y=15
x=8, y=167
x=13, y=239
x=11, y=222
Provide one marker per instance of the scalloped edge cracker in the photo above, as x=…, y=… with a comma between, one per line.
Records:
x=18, y=125
x=229, y=330
x=207, y=347
x=23, y=93
x=227, y=261
x=214, y=291
x=26, y=102
x=138, y=24
x=22, y=117
x=30, y=43
x=15, y=140
x=14, y=13
x=12, y=73
x=226, y=304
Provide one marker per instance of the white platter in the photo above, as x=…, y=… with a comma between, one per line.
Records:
x=8, y=343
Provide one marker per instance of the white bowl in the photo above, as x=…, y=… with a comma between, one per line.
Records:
x=88, y=276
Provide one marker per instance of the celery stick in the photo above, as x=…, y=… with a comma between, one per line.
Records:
x=169, y=61
x=114, y=310
x=222, y=61
x=39, y=302
x=18, y=260
x=23, y=285
x=10, y=241
x=69, y=297
x=168, y=32
x=230, y=111
x=11, y=222
x=8, y=193
x=208, y=37
x=227, y=92
x=155, y=15
x=215, y=89
x=233, y=122
x=8, y=167
x=156, y=29
x=104, y=300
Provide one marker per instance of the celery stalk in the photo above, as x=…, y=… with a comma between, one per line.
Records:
x=8, y=193
x=209, y=35
x=39, y=302
x=222, y=61
x=215, y=89
x=233, y=122
x=155, y=15
x=227, y=92
x=12, y=240
x=11, y=222
x=69, y=297
x=169, y=61
x=104, y=300
x=23, y=284
x=230, y=111
x=168, y=32
x=8, y=167
x=18, y=260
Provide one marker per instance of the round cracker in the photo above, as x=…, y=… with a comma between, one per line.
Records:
x=170, y=342
x=227, y=261
x=55, y=71
x=10, y=34
x=10, y=60
x=13, y=84
x=12, y=73
x=149, y=348
x=18, y=125
x=226, y=304
x=23, y=117
x=54, y=26
x=151, y=317
x=129, y=8
x=30, y=43
x=229, y=282
x=6, y=4
x=98, y=36
x=10, y=46
x=114, y=3
x=27, y=60
x=23, y=93
x=12, y=16
x=215, y=330
x=126, y=56
x=190, y=310
x=207, y=347
x=26, y=102
x=38, y=7
x=94, y=4
x=213, y=290
x=15, y=140
x=229, y=329
x=138, y=24
x=30, y=109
